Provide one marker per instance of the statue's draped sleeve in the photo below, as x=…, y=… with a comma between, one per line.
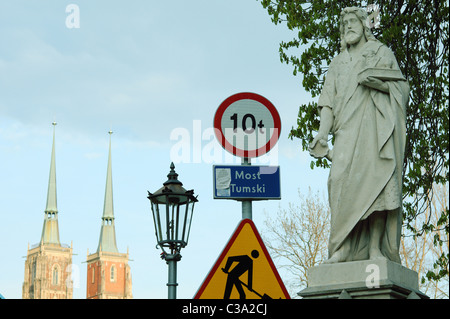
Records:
x=326, y=98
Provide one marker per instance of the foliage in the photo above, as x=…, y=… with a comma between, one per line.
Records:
x=420, y=253
x=417, y=32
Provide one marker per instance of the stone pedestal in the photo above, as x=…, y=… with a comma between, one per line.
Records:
x=368, y=279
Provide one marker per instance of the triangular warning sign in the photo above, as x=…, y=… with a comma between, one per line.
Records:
x=243, y=270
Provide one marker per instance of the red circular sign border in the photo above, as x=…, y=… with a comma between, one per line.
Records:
x=237, y=151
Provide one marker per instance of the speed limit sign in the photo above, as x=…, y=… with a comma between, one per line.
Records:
x=247, y=125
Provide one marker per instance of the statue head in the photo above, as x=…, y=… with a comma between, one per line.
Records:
x=362, y=29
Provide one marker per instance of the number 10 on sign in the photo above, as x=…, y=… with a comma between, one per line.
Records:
x=247, y=125
x=244, y=126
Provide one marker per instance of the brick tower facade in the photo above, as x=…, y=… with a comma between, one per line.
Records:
x=48, y=264
x=108, y=276
x=108, y=272
x=47, y=272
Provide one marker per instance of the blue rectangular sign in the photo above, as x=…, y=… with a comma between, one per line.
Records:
x=246, y=182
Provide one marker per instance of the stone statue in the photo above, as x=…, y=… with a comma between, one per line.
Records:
x=363, y=105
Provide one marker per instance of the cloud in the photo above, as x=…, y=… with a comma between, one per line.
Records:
x=89, y=87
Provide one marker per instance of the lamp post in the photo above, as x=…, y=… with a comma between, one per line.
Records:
x=172, y=209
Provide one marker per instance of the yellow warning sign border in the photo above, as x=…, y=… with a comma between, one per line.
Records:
x=224, y=253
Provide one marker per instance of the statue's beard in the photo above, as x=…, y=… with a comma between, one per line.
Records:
x=351, y=37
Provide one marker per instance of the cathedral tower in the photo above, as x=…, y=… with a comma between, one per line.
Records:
x=48, y=264
x=108, y=272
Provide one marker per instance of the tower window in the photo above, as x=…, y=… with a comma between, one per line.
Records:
x=113, y=273
x=55, y=275
x=33, y=270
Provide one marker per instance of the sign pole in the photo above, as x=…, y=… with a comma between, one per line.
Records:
x=246, y=204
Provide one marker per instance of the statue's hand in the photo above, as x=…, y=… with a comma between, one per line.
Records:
x=374, y=83
x=319, y=146
x=321, y=138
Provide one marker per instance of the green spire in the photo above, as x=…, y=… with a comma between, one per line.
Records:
x=108, y=207
x=50, y=230
x=51, y=194
x=107, y=242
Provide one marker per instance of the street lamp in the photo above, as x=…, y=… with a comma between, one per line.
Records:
x=172, y=209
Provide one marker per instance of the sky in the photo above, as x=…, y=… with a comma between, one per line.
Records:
x=147, y=70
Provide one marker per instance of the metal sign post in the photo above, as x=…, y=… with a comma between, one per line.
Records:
x=246, y=125
x=246, y=203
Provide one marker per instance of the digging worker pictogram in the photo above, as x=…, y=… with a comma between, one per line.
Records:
x=245, y=264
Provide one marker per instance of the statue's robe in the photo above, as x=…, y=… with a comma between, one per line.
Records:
x=367, y=157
